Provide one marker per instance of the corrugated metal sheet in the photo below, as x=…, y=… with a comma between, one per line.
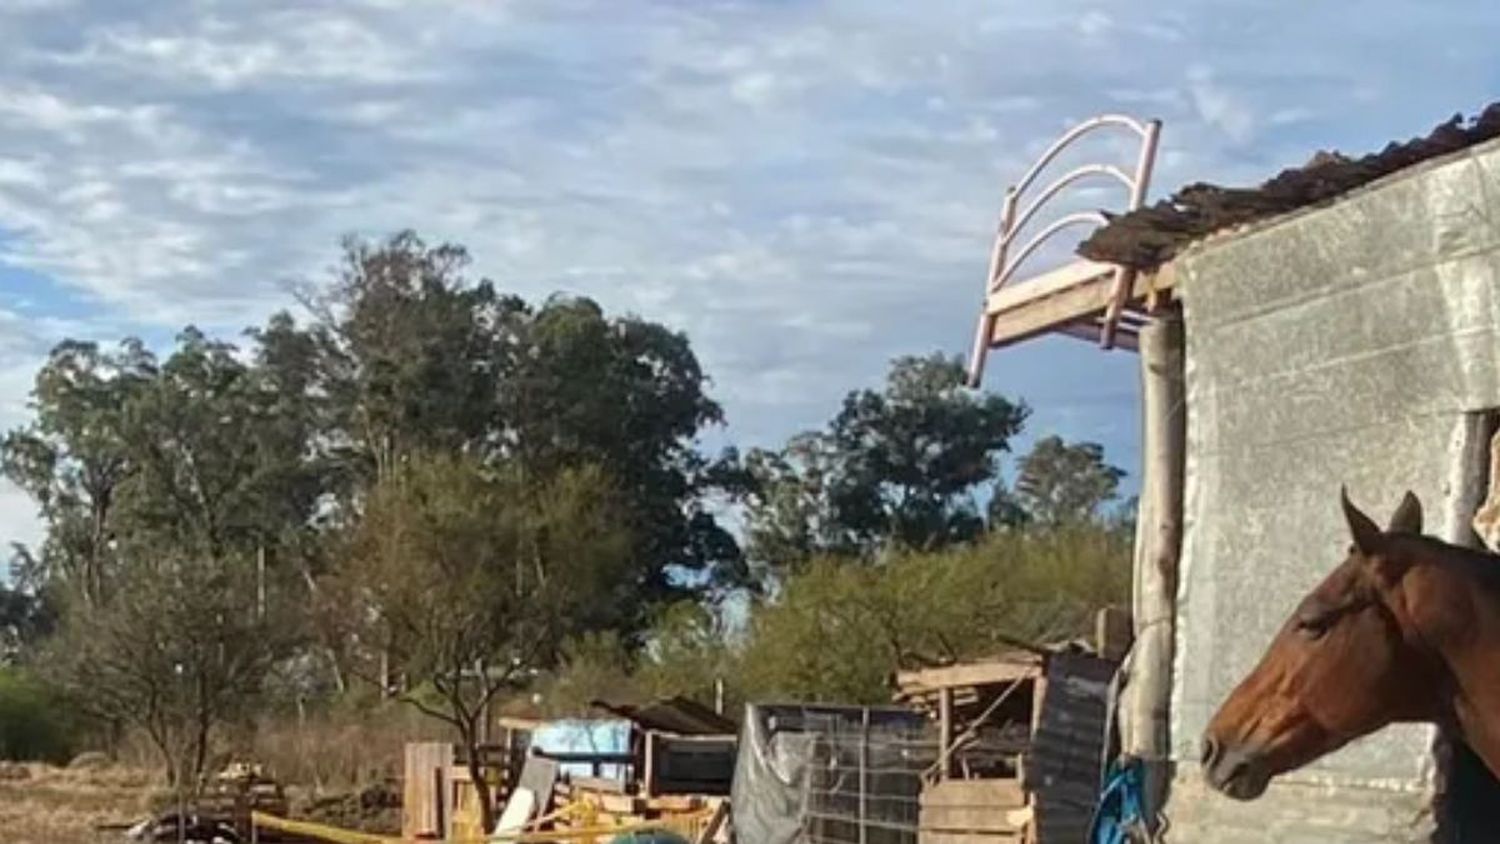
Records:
x=1064, y=766
x=677, y=715
x=1153, y=235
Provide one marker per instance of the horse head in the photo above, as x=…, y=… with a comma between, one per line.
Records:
x=1341, y=667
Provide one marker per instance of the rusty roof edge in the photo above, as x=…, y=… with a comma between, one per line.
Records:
x=1154, y=235
x=1265, y=224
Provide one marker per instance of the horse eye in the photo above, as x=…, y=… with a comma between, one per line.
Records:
x=1314, y=626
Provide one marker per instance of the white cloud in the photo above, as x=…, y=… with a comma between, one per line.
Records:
x=1219, y=106
x=808, y=190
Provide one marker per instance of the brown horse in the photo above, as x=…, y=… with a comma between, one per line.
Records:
x=1407, y=628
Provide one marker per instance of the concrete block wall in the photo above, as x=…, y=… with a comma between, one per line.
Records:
x=1349, y=344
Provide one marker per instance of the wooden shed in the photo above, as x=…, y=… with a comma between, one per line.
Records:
x=1021, y=738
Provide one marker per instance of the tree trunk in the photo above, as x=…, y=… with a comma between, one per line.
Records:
x=200, y=751
x=482, y=794
x=161, y=737
x=335, y=659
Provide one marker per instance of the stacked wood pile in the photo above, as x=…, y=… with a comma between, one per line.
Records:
x=678, y=773
x=967, y=811
x=680, y=779
x=238, y=790
x=584, y=802
x=984, y=711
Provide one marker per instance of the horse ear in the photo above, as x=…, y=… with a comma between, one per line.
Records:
x=1366, y=533
x=1408, y=515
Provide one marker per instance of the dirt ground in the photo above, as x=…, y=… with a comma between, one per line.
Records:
x=42, y=804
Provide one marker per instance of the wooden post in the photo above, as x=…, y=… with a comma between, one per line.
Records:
x=1146, y=701
x=864, y=776
x=422, y=801
x=1113, y=633
x=648, y=778
x=385, y=672
x=1479, y=476
x=945, y=731
x=443, y=803
x=260, y=582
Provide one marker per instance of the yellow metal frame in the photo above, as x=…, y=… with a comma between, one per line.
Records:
x=687, y=822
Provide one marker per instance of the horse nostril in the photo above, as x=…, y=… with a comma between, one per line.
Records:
x=1210, y=752
x=1238, y=769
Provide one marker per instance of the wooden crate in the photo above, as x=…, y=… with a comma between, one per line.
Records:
x=973, y=811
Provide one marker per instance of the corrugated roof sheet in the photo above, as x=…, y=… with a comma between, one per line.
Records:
x=673, y=715
x=1151, y=236
x=1064, y=766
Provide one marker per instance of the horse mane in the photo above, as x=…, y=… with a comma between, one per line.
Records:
x=1478, y=564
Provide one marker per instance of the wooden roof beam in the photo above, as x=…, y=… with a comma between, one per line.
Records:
x=1075, y=292
x=987, y=672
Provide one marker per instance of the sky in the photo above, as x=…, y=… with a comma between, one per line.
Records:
x=808, y=189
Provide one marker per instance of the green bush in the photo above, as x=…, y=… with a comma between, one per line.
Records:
x=32, y=723
x=840, y=628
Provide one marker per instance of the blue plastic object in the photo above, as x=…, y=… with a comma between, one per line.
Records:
x=1121, y=811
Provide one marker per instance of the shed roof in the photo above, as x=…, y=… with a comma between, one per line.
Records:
x=1152, y=235
x=677, y=715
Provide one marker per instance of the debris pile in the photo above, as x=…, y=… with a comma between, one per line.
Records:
x=376, y=808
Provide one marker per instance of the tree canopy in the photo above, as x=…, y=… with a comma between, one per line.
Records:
x=460, y=495
x=470, y=577
x=897, y=468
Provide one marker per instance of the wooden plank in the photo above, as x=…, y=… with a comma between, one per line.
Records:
x=443, y=827
x=1018, y=293
x=945, y=732
x=979, y=673
x=969, y=820
x=927, y=836
x=715, y=822
x=673, y=803
x=1015, y=318
x=999, y=793
x=1113, y=633
x=648, y=780
x=1043, y=315
x=620, y=804
x=1125, y=336
x=422, y=792
x=600, y=784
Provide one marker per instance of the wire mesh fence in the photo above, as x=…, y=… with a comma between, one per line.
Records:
x=832, y=774
x=865, y=781
x=856, y=775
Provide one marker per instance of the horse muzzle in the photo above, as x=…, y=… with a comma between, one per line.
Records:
x=1234, y=770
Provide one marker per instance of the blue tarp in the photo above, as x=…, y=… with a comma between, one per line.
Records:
x=579, y=735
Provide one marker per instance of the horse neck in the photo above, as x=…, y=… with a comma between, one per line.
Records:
x=1458, y=615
